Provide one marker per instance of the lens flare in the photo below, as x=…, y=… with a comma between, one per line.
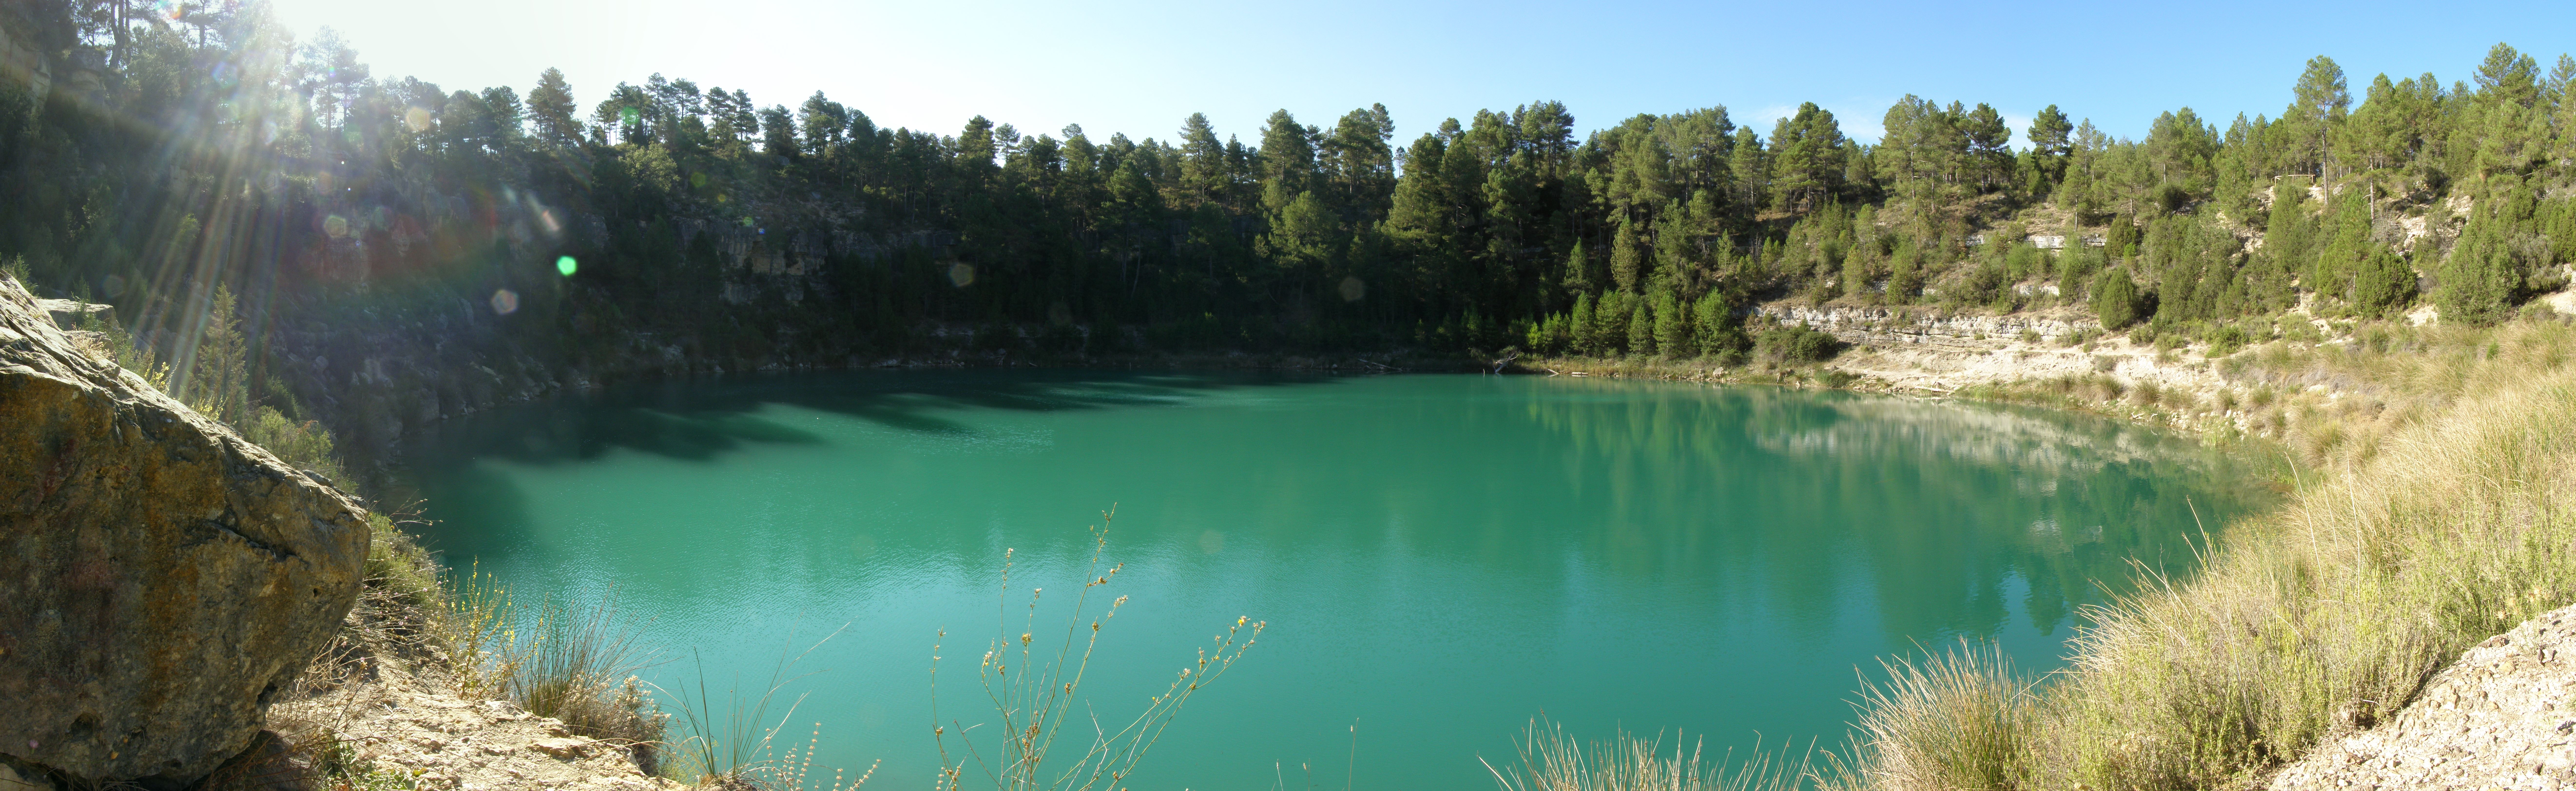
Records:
x=505, y=302
x=962, y=274
x=566, y=265
x=1353, y=289
x=336, y=225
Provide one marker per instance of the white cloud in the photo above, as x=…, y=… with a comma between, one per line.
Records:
x=2020, y=125
x=1860, y=118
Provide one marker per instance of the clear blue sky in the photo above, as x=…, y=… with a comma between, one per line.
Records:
x=1141, y=67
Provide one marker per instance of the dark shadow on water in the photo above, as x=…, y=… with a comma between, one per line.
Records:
x=700, y=419
x=703, y=419
x=1823, y=497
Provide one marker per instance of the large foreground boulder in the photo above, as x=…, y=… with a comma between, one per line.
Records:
x=161, y=580
x=2503, y=717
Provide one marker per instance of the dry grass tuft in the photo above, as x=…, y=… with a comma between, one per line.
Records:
x=573, y=663
x=1550, y=760
x=571, y=669
x=735, y=746
x=1960, y=719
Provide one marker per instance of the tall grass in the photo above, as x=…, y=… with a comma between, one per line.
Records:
x=577, y=667
x=1032, y=693
x=2437, y=518
x=796, y=771
x=480, y=639
x=1960, y=719
x=731, y=742
x=567, y=661
x=1551, y=760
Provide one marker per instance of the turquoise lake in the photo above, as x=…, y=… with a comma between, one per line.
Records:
x=1439, y=558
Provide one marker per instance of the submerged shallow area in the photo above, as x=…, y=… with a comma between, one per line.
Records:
x=1440, y=558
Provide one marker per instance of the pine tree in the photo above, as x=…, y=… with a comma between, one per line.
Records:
x=2075, y=269
x=1714, y=326
x=2384, y=285
x=1301, y=239
x=823, y=124
x=1807, y=159
x=1625, y=260
x=1750, y=167
x=1611, y=325
x=2115, y=299
x=778, y=134
x=2509, y=77
x=2343, y=243
x=506, y=116
x=1641, y=328
x=1579, y=326
x=1578, y=270
x=1203, y=165
x=2480, y=278
x=1672, y=325
x=2049, y=143
x=2318, y=104
x=1287, y=160
x=551, y=108
x=1357, y=166
x=1905, y=275
x=213, y=375
x=1856, y=271
x=1989, y=146
x=746, y=116
x=2553, y=89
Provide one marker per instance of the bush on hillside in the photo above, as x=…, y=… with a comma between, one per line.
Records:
x=2384, y=286
x=1796, y=344
x=2115, y=300
x=2226, y=340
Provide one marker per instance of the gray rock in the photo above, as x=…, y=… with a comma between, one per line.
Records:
x=13, y=780
x=161, y=580
x=2501, y=717
x=68, y=312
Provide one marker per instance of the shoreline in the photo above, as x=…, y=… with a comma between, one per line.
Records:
x=2359, y=390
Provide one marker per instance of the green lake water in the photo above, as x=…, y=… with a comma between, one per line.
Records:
x=1440, y=558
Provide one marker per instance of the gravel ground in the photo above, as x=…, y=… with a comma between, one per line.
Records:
x=436, y=741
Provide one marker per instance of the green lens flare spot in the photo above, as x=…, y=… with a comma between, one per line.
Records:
x=566, y=266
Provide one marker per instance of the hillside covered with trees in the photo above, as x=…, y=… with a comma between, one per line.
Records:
x=175, y=155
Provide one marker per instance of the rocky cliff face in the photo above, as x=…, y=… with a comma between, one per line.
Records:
x=161, y=580
x=1919, y=327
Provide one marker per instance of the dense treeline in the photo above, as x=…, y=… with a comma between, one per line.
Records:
x=214, y=150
